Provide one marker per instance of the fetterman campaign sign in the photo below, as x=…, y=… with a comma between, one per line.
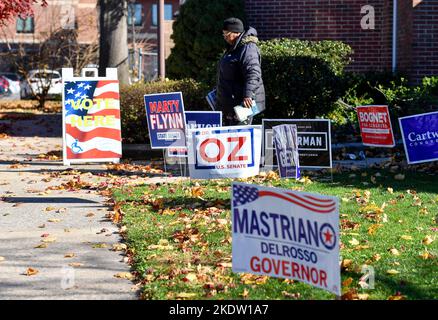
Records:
x=286, y=234
x=314, y=142
x=225, y=152
x=166, y=120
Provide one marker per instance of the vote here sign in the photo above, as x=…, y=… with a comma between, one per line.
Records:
x=286, y=234
x=375, y=126
x=225, y=152
x=91, y=118
x=166, y=120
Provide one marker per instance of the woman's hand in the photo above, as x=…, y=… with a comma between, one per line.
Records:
x=247, y=102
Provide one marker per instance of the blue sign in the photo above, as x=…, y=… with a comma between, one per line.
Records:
x=197, y=120
x=203, y=119
x=166, y=120
x=286, y=146
x=420, y=137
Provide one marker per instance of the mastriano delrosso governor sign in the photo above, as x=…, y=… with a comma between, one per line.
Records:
x=286, y=234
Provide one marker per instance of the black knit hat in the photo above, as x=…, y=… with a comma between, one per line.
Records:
x=233, y=25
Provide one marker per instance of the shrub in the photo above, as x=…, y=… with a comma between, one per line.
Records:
x=134, y=123
x=302, y=79
x=197, y=34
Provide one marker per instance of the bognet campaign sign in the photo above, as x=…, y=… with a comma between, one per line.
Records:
x=225, y=152
x=196, y=120
x=286, y=148
x=166, y=120
x=420, y=137
x=314, y=142
x=375, y=126
x=286, y=234
x=91, y=117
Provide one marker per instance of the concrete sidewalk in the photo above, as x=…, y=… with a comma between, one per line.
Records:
x=76, y=261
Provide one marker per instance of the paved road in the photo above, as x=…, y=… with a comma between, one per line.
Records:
x=77, y=262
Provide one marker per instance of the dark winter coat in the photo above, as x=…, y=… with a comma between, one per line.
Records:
x=240, y=74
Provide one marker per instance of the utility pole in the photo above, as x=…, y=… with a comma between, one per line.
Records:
x=161, y=60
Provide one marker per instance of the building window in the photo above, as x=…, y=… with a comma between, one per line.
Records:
x=135, y=11
x=25, y=25
x=168, y=13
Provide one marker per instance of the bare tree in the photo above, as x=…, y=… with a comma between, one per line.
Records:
x=114, y=38
x=51, y=49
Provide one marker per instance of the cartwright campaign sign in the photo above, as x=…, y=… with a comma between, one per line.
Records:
x=286, y=234
x=166, y=120
x=420, y=137
x=91, y=117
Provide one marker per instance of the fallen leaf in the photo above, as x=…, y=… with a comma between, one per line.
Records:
x=245, y=293
x=124, y=275
x=392, y=272
x=69, y=255
x=2, y=259
x=99, y=246
x=404, y=237
x=41, y=246
x=291, y=295
x=427, y=240
x=54, y=220
x=190, y=277
x=31, y=272
x=363, y=296
x=185, y=295
x=119, y=247
x=75, y=264
x=394, y=251
x=50, y=208
x=354, y=242
x=346, y=263
x=347, y=282
x=426, y=255
x=90, y=214
x=390, y=190
x=397, y=297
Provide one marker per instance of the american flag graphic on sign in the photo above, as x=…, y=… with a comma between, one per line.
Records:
x=244, y=194
x=92, y=119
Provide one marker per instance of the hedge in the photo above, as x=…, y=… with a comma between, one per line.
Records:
x=134, y=123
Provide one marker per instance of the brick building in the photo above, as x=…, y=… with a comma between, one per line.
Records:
x=83, y=16
x=416, y=30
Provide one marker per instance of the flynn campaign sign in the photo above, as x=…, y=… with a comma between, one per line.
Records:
x=166, y=120
x=197, y=120
x=225, y=152
x=91, y=117
x=286, y=234
x=375, y=126
x=314, y=142
x=420, y=137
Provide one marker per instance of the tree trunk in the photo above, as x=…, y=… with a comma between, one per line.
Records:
x=114, y=38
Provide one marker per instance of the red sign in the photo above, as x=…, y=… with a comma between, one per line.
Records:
x=375, y=126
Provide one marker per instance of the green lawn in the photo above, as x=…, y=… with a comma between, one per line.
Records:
x=179, y=238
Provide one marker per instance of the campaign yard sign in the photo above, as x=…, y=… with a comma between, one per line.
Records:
x=196, y=120
x=375, y=126
x=286, y=234
x=166, y=120
x=91, y=117
x=314, y=142
x=286, y=147
x=420, y=137
x=225, y=152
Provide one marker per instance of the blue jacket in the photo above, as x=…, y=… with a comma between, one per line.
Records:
x=240, y=74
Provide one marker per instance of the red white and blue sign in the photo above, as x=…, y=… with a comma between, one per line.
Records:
x=197, y=120
x=225, y=152
x=286, y=234
x=420, y=137
x=166, y=120
x=91, y=118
